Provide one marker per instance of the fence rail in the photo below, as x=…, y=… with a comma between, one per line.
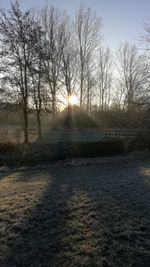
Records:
x=128, y=134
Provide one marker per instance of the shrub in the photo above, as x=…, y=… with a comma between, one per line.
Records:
x=9, y=148
x=98, y=148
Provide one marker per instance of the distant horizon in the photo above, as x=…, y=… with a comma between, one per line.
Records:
x=121, y=20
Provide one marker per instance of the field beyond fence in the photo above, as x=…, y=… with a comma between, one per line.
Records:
x=12, y=134
x=127, y=133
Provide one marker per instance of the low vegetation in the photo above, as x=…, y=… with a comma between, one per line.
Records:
x=38, y=153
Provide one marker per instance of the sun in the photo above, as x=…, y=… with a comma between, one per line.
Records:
x=73, y=100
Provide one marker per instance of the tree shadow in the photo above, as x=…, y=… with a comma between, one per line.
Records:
x=38, y=238
x=86, y=216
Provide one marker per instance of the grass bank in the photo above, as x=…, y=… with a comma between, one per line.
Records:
x=38, y=153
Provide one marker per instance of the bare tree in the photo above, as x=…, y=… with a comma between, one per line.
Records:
x=18, y=35
x=52, y=23
x=37, y=86
x=90, y=82
x=87, y=27
x=118, y=97
x=146, y=37
x=146, y=58
x=133, y=78
x=104, y=76
x=69, y=60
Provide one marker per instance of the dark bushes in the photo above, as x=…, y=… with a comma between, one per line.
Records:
x=98, y=148
x=9, y=148
x=31, y=155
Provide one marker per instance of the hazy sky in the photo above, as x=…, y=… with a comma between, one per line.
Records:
x=122, y=19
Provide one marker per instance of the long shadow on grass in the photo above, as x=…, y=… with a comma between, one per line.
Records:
x=88, y=216
x=39, y=237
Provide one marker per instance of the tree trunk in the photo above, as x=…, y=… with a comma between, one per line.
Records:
x=69, y=116
x=54, y=106
x=81, y=90
x=88, y=100
x=39, y=125
x=26, y=139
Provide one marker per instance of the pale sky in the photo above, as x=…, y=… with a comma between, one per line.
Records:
x=123, y=20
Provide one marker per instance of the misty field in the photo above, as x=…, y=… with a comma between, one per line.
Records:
x=12, y=134
x=91, y=214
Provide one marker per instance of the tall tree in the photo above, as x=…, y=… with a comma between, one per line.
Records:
x=18, y=34
x=69, y=60
x=146, y=59
x=37, y=89
x=52, y=23
x=90, y=82
x=104, y=76
x=131, y=69
x=36, y=72
x=87, y=27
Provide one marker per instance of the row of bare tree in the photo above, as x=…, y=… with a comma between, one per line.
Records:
x=46, y=56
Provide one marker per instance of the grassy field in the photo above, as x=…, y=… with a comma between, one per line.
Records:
x=15, y=135
x=67, y=216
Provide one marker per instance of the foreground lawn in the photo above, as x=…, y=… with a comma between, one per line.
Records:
x=97, y=215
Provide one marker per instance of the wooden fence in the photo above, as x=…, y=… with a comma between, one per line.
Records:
x=127, y=134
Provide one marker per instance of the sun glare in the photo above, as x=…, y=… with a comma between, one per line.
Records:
x=73, y=100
